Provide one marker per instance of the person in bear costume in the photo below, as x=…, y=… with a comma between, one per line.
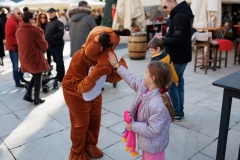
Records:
x=82, y=89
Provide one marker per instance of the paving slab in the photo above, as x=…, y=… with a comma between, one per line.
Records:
x=53, y=147
x=203, y=120
x=104, y=111
x=112, y=95
x=194, y=96
x=5, y=153
x=118, y=128
x=120, y=105
x=200, y=156
x=185, y=143
x=110, y=119
x=107, y=138
x=14, y=100
x=117, y=152
x=31, y=134
x=33, y=116
x=51, y=104
x=236, y=127
x=217, y=106
x=11, y=124
x=4, y=109
x=231, y=149
x=61, y=115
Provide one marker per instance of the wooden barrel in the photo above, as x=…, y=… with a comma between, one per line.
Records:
x=137, y=46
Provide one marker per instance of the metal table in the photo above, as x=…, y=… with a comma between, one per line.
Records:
x=231, y=85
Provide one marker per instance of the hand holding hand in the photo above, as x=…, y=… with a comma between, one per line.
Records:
x=129, y=126
x=112, y=58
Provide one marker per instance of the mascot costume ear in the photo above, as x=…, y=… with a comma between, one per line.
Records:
x=124, y=32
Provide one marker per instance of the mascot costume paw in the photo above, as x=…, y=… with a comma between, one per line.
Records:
x=82, y=89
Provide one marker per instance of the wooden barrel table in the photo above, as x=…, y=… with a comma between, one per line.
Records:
x=137, y=46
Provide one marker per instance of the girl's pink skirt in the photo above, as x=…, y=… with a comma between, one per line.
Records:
x=150, y=156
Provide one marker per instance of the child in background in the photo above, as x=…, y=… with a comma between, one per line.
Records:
x=155, y=47
x=151, y=110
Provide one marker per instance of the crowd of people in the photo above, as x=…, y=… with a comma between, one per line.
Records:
x=46, y=30
x=28, y=35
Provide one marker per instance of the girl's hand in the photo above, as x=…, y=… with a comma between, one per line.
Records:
x=112, y=58
x=129, y=126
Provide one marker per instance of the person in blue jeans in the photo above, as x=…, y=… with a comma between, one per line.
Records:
x=11, y=44
x=178, y=45
x=17, y=73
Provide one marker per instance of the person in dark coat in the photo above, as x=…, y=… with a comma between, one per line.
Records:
x=179, y=46
x=3, y=20
x=42, y=21
x=2, y=52
x=235, y=20
x=80, y=25
x=54, y=36
x=31, y=55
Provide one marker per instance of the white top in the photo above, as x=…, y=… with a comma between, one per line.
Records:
x=89, y=96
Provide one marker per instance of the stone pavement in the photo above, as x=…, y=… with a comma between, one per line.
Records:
x=29, y=132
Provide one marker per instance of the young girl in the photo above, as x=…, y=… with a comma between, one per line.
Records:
x=151, y=110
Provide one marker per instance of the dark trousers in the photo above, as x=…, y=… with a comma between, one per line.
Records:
x=49, y=59
x=36, y=82
x=57, y=53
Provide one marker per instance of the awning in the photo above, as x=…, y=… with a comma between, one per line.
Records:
x=57, y=4
x=43, y=4
x=7, y=3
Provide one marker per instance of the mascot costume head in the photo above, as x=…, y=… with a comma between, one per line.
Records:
x=82, y=89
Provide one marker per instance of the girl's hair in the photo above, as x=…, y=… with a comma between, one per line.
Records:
x=27, y=16
x=155, y=42
x=163, y=77
x=38, y=23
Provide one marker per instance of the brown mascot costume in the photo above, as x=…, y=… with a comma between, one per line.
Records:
x=82, y=89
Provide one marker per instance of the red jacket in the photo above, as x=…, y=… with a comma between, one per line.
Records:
x=31, y=46
x=10, y=30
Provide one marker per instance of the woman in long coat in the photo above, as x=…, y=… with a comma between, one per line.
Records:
x=2, y=53
x=31, y=46
x=42, y=21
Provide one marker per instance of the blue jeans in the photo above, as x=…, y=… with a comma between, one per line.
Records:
x=176, y=94
x=17, y=73
x=57, y=53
